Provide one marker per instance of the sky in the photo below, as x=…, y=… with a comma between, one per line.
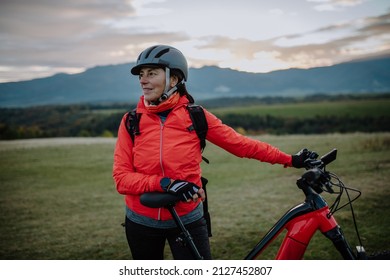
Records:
x=39, y=38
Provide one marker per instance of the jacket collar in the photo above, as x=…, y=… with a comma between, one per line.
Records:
x=183, y=101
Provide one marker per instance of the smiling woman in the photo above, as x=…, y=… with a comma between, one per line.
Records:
x=162, y=153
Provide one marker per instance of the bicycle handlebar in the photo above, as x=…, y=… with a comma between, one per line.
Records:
x=316, y=177
x=313, y=162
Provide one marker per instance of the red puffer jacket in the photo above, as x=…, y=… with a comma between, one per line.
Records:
x=169, y=149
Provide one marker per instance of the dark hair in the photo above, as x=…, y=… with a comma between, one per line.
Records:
x=177, y=73
x=181, y=87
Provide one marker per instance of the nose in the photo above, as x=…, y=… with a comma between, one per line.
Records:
x=143, y=80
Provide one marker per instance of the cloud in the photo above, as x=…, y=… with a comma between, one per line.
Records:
x=276, y=12
x=377, y=25
x=356, y=39
x=43, y=37
x=334, y=5
x=55, y=26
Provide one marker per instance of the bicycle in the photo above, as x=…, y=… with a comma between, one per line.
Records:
x=301, y=221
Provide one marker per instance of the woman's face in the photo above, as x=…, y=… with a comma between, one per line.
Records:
x=152, y=81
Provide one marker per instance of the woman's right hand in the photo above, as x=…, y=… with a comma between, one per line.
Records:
x=187, y=191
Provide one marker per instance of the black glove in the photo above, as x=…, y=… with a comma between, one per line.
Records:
x=184, y=190
x=298, y=160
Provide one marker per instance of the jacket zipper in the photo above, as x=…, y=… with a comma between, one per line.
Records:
x=161, y=159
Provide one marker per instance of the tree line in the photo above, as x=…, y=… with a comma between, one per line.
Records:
x=253, y=124
x=102, y=120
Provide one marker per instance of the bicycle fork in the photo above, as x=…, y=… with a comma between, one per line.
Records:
x=337, y=237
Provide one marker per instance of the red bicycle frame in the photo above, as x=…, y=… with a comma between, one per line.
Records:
x=301, y=222
x=300, y=231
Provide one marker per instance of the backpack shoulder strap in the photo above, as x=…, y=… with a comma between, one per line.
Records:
x=199, y=123
x=132, y=123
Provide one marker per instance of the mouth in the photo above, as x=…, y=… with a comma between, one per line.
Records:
x=147, y=89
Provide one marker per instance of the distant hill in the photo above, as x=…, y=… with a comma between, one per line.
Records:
x=114, y=83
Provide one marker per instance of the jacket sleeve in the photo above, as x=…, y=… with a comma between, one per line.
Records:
x=127, y=180
x=239, y=145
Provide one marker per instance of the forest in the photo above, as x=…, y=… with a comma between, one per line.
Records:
x=315, y=114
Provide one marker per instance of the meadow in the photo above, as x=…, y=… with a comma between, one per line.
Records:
x=58, y=199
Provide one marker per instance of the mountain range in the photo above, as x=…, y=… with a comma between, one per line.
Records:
x=114, y=83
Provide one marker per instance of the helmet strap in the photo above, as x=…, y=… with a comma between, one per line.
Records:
x=167, y=92
x=167, y=79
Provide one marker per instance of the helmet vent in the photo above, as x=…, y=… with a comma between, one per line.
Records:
x=150, y=50
x=162, y=52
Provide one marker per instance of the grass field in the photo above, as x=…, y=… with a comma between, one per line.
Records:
x=58, y=200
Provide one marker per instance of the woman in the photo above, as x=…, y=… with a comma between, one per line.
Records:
x=166, y=157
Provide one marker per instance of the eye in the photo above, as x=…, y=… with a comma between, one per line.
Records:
x=147, y=74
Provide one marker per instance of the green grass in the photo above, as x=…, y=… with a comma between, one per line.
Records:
x=353, y=108
x=59, y=201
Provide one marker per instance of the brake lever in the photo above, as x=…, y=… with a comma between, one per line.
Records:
x=313, y=155
x=327, y=183
x=328, y=187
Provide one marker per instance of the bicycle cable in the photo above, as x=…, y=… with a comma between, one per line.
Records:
x=335, y=206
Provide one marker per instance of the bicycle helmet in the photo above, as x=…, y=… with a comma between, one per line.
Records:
x=168, y=58
x=164, y=56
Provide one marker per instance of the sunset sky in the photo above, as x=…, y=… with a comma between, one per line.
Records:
x=39, y=38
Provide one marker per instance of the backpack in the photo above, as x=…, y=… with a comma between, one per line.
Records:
x=199, y=124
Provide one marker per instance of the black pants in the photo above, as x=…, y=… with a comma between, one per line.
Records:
x=148, y=243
